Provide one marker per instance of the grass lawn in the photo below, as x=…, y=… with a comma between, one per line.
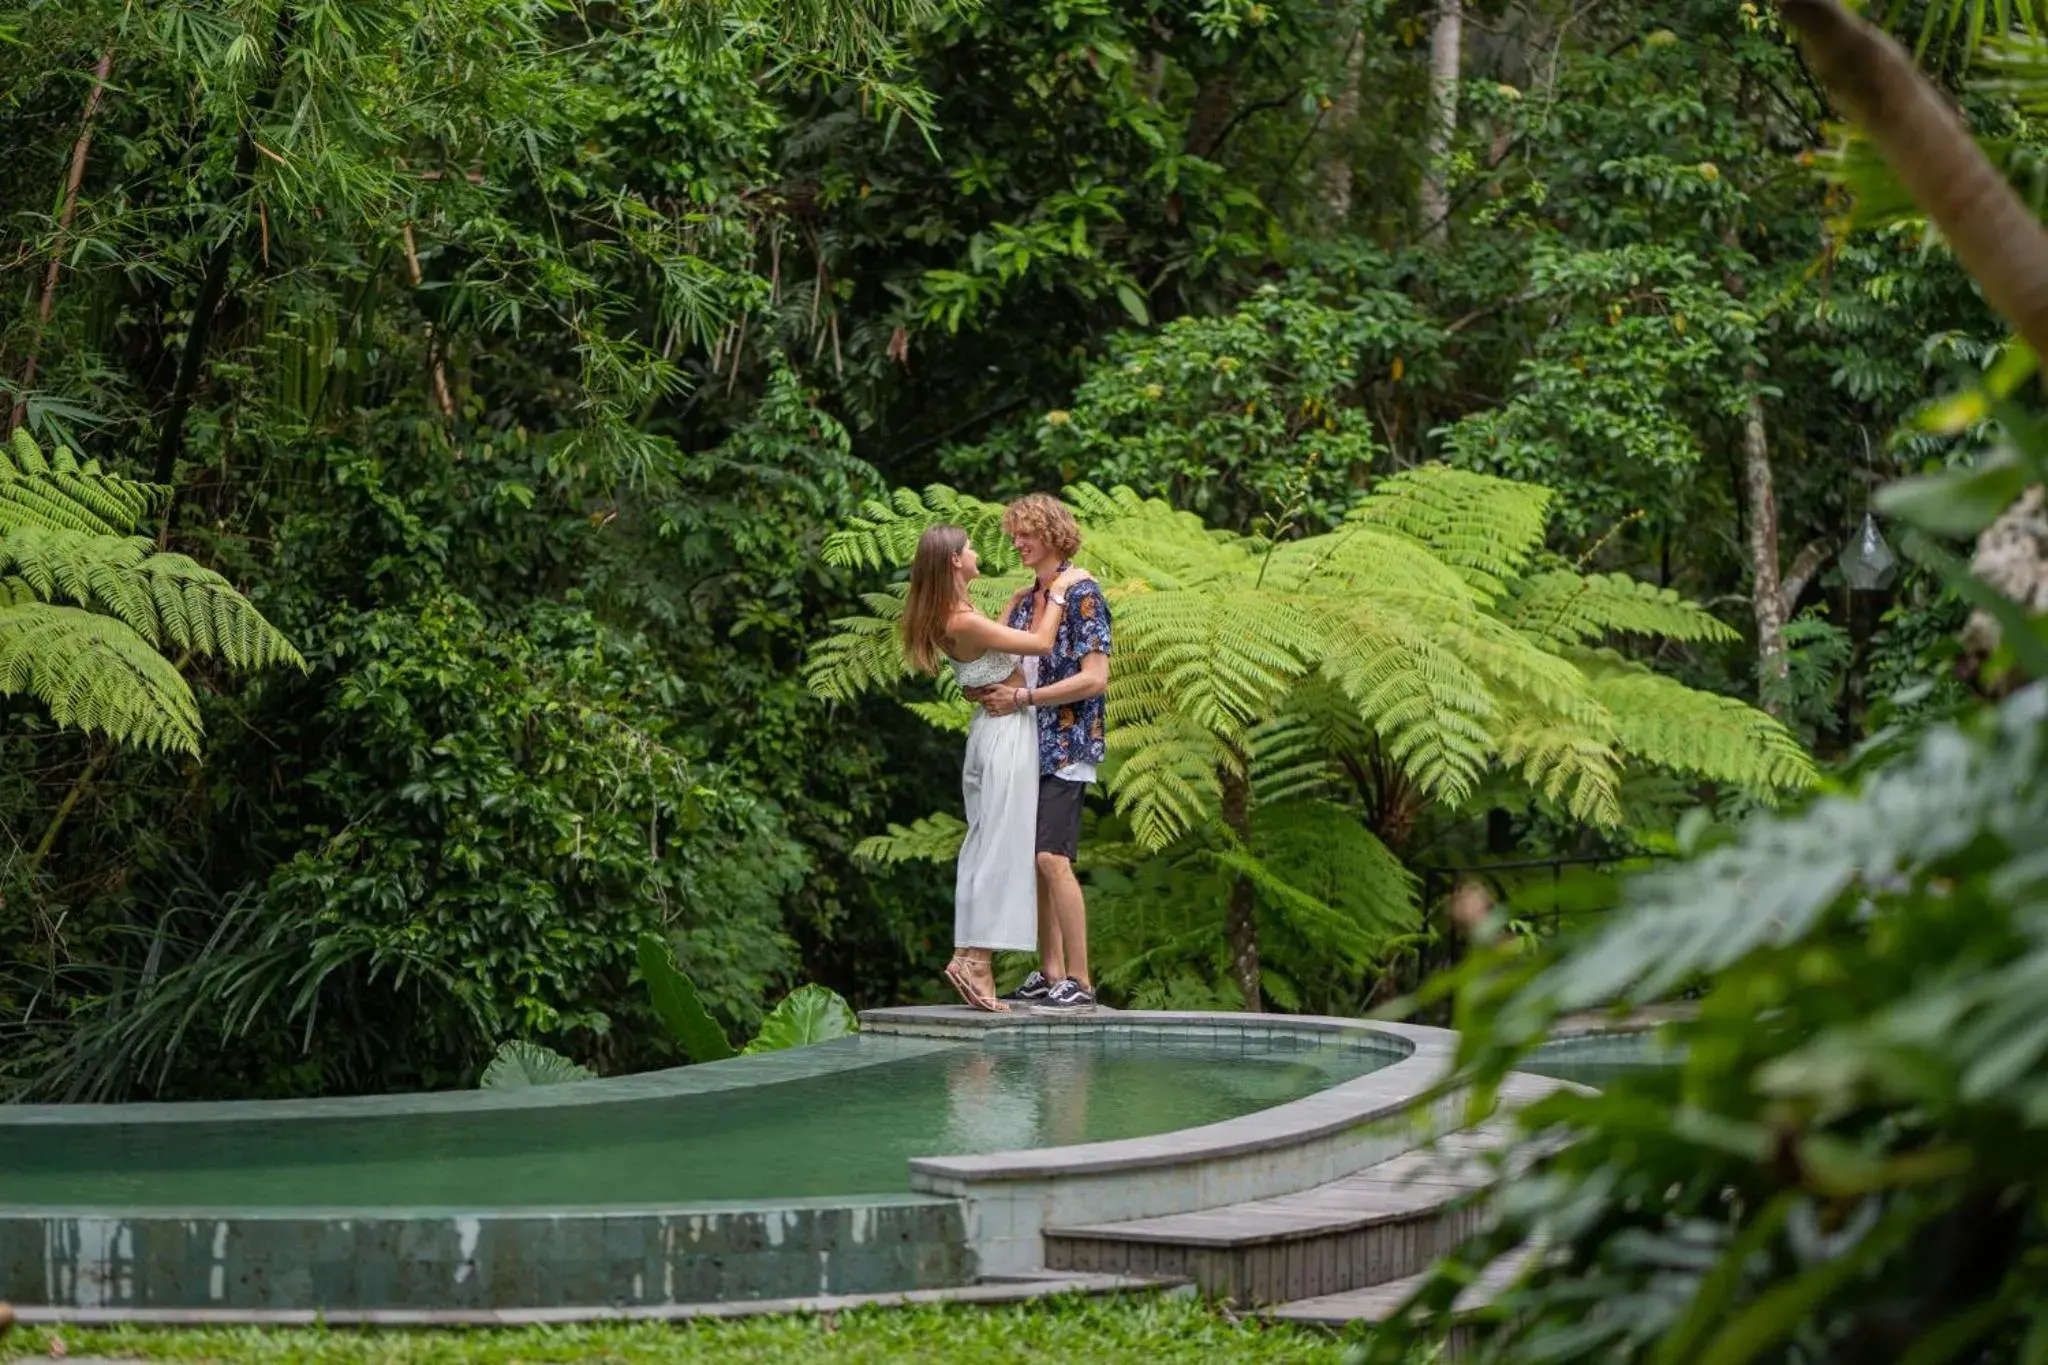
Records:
x=1129, y=1331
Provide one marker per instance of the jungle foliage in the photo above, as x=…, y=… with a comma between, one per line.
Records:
x=513, y=361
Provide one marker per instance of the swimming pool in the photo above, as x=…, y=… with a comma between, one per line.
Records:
x=784, y=1175
x=844, y=1131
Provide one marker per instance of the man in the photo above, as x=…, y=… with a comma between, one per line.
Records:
x=1067, y=687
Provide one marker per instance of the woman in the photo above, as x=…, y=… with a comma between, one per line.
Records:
x=995, y=893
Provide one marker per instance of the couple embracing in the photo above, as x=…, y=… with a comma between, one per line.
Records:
x=1038, y=676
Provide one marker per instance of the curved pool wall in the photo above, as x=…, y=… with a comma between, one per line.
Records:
x=1010, y=1197
x=964, y=1217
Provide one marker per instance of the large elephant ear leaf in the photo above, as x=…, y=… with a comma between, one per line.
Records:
x=808, y=1014
x=519, y=1064
x=675, y=1000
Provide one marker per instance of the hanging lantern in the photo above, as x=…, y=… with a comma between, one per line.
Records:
x=1868, y=563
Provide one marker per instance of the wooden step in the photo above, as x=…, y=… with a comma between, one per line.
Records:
x=1380, y=1224
x=1377, y=1302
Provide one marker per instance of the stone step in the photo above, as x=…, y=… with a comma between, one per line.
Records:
x=1384, y=1223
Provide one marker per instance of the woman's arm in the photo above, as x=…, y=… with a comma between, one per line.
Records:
x=972, y=628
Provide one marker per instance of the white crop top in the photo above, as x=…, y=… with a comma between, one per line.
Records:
x=986, y=671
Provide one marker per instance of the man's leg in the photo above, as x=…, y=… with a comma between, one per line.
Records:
x=1052, y=957
x=1060, y=889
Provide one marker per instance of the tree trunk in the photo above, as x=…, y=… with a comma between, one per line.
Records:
x=1337, y=173
x=1215, y=101
x=1766, y=594
x=48, y=303
x=1241, y=923
x=1446, y=39
x=1995, y=236
x=213, y=286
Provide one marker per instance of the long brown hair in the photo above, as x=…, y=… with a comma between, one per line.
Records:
x=933, y=596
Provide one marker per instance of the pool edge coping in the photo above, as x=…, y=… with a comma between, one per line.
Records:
x=1380, y=1095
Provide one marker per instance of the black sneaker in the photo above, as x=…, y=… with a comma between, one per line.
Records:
x=1034, y=989
x=1069, y=997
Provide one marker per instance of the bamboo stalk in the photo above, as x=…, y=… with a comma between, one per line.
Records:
x=47, y=305
x=442, y=397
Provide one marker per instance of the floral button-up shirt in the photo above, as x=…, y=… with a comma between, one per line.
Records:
x=1069, y=733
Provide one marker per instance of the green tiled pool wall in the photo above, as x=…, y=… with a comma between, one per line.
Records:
x=1609, y=1047
x=508, y=1261
x=1252, y=1038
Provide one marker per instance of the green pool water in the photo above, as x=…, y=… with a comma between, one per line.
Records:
x=846, y=1132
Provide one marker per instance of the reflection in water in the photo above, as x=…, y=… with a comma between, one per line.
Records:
x=843, y=1132
x=1037, y=1099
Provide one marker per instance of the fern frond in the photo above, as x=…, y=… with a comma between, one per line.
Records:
x=885, y=534
x=948, y=713
x=97, y=674
x=1562, y=609
x=1664, y=722
x=163, y=597
x=1571, y=762
x=933, y=838
x=1483, y=526
x=861, y=652
x=1289, y=756
x=1367, y=559
x=1427, y=705
x=1325, y=851
x=1170, y=778
x=62, y=493
x=1219, y=660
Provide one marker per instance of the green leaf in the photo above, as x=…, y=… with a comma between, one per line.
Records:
x=675, y=1000
x=808, y=1014
x=1956, y=502
x=519, y=1064
x=1956, y=414
x=1134, y=304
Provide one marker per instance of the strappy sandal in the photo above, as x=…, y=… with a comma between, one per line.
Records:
x=960, y=973
x=959, y=978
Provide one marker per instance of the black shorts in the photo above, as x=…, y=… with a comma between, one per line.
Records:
x=1059, y=816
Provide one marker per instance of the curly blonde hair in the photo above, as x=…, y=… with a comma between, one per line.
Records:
x=1045, y=516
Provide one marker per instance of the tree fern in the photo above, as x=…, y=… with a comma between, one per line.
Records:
x=95, y=673
x=1484, y=527
x=1662, y=721
x=1417, y=642
x=165, y=598
x=65, y=537
x=62, y=494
